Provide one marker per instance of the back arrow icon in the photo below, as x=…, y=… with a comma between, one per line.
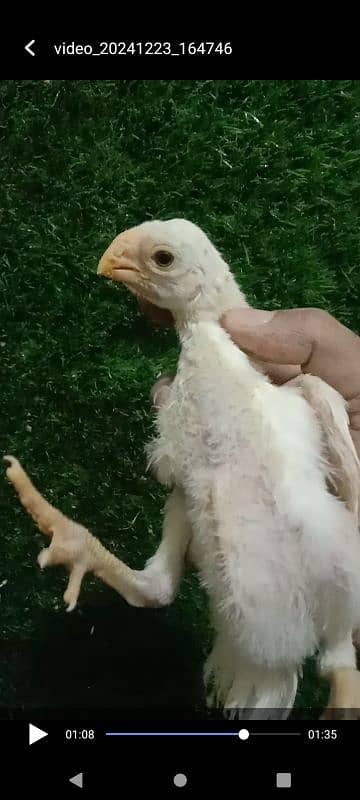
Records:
x=28, y=47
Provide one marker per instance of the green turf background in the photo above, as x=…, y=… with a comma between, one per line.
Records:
x=270, y=170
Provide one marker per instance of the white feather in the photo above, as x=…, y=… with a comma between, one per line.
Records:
x=278, y=553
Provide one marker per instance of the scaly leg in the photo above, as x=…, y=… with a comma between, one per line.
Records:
x=75, y=547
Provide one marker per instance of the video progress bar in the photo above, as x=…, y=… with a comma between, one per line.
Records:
x=197, y=733
x=170, y=733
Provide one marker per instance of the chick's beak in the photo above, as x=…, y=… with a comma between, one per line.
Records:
x=105, y=265
x=117, y=267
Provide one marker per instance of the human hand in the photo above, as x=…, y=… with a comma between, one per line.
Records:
x=160, y=390
x=311, y=340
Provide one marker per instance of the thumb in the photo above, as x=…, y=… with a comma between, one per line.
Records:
x=273, y=336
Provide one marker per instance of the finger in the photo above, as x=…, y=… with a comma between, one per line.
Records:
x=281, y=373
x=307, y=336
x=271, y=336
x=354, y=413
x=73, y=588
x=354, y=419
x=160, y=389
x=355, y=435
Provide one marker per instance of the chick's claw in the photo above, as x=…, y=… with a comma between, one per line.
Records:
x=73, y=588
x=71, y=544
x=43, y=514
x=52, y=556
x=44, y=558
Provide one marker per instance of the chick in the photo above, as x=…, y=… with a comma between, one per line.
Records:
x=277, y=552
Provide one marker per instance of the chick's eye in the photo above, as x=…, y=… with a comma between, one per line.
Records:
x=163, y=258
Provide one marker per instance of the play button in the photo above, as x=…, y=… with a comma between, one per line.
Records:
x=35, y=734
x=78, y=780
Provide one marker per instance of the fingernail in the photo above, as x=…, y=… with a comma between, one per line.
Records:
x=248, y=317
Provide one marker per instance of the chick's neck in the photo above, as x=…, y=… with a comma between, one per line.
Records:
x=221, y=296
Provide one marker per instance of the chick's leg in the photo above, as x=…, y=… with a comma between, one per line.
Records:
x=163, y=572
x=75, y=547
x=156, y=585
x=337, y=664
x=344, y=701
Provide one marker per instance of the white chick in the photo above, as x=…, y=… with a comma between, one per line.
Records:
x=278, y=554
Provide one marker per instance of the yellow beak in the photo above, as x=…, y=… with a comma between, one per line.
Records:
x=119, y=260
x=118, y=269
x=107, y=264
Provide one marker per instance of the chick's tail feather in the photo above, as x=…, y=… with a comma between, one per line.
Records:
x=247, y=691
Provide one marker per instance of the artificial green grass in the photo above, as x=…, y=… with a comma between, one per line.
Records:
x=270, y=170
